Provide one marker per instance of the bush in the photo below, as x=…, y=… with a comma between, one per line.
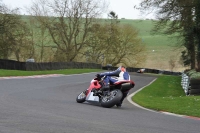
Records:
x=193, y=74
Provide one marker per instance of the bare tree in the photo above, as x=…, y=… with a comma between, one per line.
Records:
x=40, y=38
x=132, y=46
x=96, y=46
x=67, y=22
x=123, y=46
x=128, y=48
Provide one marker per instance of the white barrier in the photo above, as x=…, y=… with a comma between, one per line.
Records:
x=185, y=83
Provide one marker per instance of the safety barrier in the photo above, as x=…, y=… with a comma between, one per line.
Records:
x=33, y=66
x=194, y=86
x=185, y=83
x=191, y=86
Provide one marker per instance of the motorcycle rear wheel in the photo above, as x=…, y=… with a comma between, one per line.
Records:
x=111, y=100
x=81, y=97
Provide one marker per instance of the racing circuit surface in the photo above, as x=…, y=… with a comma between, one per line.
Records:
x=48, y=105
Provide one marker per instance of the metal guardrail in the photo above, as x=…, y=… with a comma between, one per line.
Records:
x=185, y=83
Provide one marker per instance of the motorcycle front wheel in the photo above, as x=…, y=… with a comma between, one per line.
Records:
x=111, y=99
x=81, y=97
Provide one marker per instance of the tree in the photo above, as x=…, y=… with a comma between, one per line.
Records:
x=40, y=39
x=124, y=45
x=115, y=44
x=23, y=48
x=13, y=32
x=175, y=16
x=128, y=49
x=96, y=46
x=68, y=23
x=6, y=25
x=197, y=29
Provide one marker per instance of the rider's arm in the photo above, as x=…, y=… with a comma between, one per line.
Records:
x=113, y=73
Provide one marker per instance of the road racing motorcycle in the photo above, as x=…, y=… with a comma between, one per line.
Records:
x=108, y=96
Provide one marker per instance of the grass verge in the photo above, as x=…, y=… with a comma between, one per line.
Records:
x=166, y=94
x=6, y=73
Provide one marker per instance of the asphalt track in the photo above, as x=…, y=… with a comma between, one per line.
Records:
x=48, y=105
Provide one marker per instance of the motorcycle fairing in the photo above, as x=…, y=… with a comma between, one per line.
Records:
x=94, y=84
x=90, y=97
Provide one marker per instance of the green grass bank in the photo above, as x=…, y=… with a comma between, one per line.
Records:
x=166, y=94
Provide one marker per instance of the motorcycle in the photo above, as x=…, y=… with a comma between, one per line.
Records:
x=108, y=97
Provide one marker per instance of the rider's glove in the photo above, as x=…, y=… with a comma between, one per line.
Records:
x=98, y=76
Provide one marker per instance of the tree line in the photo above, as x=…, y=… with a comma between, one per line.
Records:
x=68, y=30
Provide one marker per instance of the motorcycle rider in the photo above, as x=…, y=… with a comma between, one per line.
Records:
x=121, y=74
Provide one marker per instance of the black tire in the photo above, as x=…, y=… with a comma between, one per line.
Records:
x=195, y=81
x=195, y=86
x=81, y=97
x=194, y=91
x=111, y=100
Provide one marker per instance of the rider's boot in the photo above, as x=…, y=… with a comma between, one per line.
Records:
x=120, y=103
x=104, y=88
x=94, y=90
